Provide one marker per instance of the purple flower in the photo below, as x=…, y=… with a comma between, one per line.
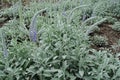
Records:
x=33, y=34
x=33, y=30
x=64, y=14
x=5, y=52
x=33, y=26
x=84, y=17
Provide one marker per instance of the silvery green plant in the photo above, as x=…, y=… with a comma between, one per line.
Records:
x=99, y=22
x=2, y=20
x=116, y=26
x=99, y=40
x=33, y=26
x=93, y=27
x=93, y=30
x=64, y=53
x=84, y=23
x=72, y=11
x=107, y=8
x=93, y=21
x=12, y=11
x=111, y=20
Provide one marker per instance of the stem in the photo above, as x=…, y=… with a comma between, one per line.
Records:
x=69, y=16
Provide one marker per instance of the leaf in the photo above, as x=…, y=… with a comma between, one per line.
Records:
x=59, y=74
x=99, y=22
x=2, y=73
x=65, y=65
x=10, y=70
x=47, y=74
x=64, y=56
x=51, y=71
x=32, y=69
x=72, y=77
x=81, y=73
x=40, y=70
x=118, y=72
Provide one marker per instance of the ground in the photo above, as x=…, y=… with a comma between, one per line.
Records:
x=112, y=37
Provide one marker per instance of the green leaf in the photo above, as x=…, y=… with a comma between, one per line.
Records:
x=118, y=72
x=81, y=73
x=2, y=73
x=47, y=74
x=51, y=71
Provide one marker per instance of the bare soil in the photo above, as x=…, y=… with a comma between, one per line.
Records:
x=5, y=21
x=112, y=36
x=2, y=6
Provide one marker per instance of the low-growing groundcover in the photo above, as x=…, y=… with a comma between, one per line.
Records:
x=68, y=40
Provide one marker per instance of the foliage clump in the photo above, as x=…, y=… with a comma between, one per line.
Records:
x=93, y=29
x=107, y=8
x=116, y=26
x=62, y=50
x=99, y=41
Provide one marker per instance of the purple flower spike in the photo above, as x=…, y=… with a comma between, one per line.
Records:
x=33, y=26
x=64, y=14
x=33, y=34
x=5, y=52
x=33, y=29
x=84, y=18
